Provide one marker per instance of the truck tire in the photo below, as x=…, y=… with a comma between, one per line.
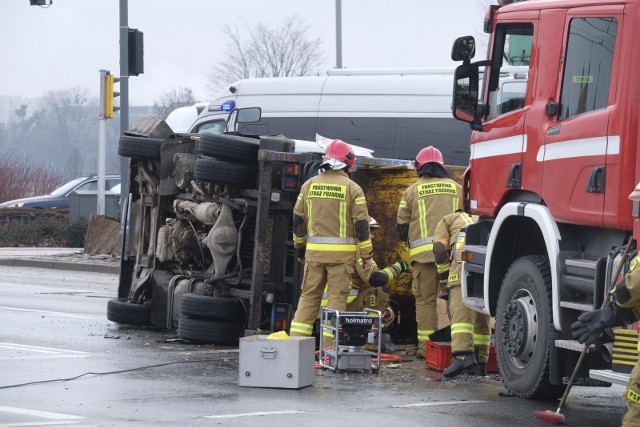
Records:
x=209, y=331
x=524, y=326
x=236, y=174
x=229, y=147
x=212, y=308
x=123, y=311
x=136, y=147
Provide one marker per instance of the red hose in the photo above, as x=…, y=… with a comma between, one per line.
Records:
x=384, y=358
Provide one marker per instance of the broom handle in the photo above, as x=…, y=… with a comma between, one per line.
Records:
x=585, y=349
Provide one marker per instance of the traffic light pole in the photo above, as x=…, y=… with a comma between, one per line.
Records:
x=124, y=93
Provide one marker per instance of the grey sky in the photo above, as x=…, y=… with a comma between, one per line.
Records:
x=67, y=44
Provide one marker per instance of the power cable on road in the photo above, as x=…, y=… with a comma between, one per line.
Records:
x=140, y=368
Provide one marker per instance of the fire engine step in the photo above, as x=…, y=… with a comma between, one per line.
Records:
x=576, y=306
x=609, y=376
x=573, y=345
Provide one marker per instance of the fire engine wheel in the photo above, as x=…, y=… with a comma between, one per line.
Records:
x=524, y=328
x=136, y=147
x=121, y=310
x=212, y=308
x=229, y=147
x=237, y=174
x=208, y=331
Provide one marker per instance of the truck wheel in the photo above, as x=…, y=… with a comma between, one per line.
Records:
x=229, y=147
x=524, y=328
x=209, y=331
x=136, y=147
x=121, y=310
x=212, y=308
x=238, y=174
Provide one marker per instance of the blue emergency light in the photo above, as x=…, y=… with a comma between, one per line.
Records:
x=228, y=106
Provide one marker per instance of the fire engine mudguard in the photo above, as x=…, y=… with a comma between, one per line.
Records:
x=230, y=147
x=238, y=174
x=524, y=329
x=136, y=147
x=209, y=331
x=121, y=310
x=212, y=308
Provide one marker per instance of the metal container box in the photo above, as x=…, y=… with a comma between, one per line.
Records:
x=275, y=363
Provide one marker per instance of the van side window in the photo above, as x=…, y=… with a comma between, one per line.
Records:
x=588, y=64
x=509, y=70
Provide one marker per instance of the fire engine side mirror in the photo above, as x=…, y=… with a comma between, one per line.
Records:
x=464, y=49
x=465, y=95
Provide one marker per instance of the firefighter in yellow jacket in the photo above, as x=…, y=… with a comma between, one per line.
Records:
x=423, y=205
x=623, y=309
x=470, y=330
x=330, y=226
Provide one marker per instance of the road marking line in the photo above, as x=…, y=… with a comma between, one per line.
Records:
x=42, y=423
x=49, y=351
x=41, y=414
x=423, y=404
x=53, y=289
x=254, y=414
x=55, y=313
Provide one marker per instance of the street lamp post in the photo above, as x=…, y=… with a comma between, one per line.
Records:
x=338, y=33
x=124, y=93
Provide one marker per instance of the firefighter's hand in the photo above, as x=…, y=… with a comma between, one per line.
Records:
x=366, y=264
x=591, y=325
x=300, y=259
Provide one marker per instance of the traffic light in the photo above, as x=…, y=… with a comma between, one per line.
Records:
x=136, y=52
x=107, y=94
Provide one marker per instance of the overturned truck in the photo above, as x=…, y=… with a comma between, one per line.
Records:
x=207, y=240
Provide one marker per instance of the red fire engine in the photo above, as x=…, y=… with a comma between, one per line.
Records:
x=553, y=159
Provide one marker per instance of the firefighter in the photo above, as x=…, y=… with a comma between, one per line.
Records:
x=330, y=226
x=623, y=309
x=423, y=205
x=470, y=330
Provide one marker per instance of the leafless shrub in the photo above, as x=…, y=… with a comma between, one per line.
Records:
x=20, y=179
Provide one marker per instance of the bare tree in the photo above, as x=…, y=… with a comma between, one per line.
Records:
x=21, y=179
x=172, y=99
x=264, y=51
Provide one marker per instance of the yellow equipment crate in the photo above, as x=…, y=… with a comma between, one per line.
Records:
x=625, y=350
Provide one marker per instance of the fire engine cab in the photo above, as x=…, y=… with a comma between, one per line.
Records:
x=552, y=161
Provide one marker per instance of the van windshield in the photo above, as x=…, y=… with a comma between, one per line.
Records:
x=216, y=126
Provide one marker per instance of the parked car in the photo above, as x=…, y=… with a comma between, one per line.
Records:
x=59, y=198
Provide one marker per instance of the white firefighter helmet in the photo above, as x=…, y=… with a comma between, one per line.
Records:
x=373, y=223
x=635, y=194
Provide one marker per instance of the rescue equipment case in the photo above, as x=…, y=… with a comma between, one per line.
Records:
x=276, y=363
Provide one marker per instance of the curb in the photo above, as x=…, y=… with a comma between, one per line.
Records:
x=56, y=265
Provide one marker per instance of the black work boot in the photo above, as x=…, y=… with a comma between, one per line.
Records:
x=479, y=370
x=459, y=364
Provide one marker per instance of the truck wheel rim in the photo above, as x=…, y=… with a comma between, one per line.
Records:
x=520, y=328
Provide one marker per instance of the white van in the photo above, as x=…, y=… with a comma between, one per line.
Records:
x=395, y=112
x=181, y=119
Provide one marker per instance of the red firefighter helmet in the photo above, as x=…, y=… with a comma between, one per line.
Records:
x=429, y=154
x=342, y=152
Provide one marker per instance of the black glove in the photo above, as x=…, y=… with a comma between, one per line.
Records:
x=401, y=266
x=591, y=325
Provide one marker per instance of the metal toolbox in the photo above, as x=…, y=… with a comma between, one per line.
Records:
x=276, y=363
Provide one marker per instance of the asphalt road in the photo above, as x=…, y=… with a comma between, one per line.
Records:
x=63, y=363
